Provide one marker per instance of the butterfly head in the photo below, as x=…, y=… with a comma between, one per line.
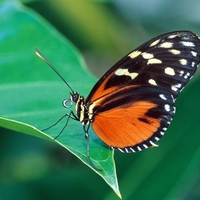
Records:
x=78, y=100
x=74, y=98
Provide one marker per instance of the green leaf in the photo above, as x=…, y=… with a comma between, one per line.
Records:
x=31, y=93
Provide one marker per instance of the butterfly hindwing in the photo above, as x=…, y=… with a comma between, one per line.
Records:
x=133, y=118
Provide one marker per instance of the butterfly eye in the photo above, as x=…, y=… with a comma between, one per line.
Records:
x=74, y=97
x=67, y=103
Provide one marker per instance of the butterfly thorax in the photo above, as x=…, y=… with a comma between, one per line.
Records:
x=82, y=109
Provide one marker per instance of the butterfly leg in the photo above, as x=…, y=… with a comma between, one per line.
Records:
x=55, y=123
x=87, y=137
x=68, y=115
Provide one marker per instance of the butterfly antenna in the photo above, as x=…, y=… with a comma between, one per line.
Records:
x=40, y=55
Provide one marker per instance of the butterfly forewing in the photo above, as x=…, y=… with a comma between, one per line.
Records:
x=133, y=103
x=167, y=61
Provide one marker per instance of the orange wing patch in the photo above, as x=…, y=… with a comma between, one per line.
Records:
x=123, y=127
x=101, y=91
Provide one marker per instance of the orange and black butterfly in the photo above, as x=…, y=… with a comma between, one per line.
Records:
x=133, y=103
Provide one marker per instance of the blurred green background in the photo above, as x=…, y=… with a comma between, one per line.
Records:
x=104, y=31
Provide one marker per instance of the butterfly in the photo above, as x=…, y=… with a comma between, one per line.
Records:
x=133, y=103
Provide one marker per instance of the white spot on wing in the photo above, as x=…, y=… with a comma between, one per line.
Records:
x=125, y=72
x=132, y=149
x=181, y=73
x=147, y=55
x=145, y=146
x=172, y=36
x=193, y=64
x=120, y=150
x=126, y=150
x=134, y=54
x=154, y=61
x=166, y=45
x=154, y=43
x=183, y=61
x=139, y=149
x=153, y=144
x=175, y=51
x=178, y=85
x=187, y=75
x=188, y=44
x=164, y=128
x=152, y=82
x=167, y=107
x=174, y=88
x=162, y=96
x=194, y=53
x=162, y=133
x=169, y=71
